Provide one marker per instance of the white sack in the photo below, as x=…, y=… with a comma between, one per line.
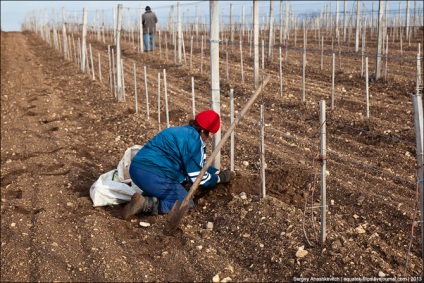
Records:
x=116, y=187
x=124, y=164
x=107, y=190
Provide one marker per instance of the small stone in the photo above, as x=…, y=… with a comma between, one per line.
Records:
x=301, y=252
x=144, y=224
x=332, y=202
x=230, y=268
x=381, y=274
x=215, y=278
x=243, y=195
x=69, y=204
x=164, y=253
x=199, y=248
x=245, y=163
x=243, y=213
x=13, y=225
x=209, y=225
x=360, y=200
x=54, y=244
x=360, y=230
x=355, y=216
x=227, y=279
x=246, y=235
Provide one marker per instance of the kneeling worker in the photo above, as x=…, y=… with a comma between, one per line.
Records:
x=173, y=156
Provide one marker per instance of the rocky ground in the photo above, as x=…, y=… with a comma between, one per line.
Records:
x=60, y=131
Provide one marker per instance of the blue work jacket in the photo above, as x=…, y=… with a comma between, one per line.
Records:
x=176, y=153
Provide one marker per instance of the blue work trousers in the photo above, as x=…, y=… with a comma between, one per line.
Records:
x=146, y=41
x=166, y=190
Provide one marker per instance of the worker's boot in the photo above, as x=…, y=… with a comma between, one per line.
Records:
x=150, y=206
x=139, y=204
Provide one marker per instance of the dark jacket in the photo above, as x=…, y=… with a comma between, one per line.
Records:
x=149, y=21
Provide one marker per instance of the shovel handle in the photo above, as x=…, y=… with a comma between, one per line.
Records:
x=227, y=134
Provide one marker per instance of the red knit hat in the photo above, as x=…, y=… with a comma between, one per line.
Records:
x=208, y=120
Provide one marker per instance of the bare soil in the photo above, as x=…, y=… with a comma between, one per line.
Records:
x=60, y=131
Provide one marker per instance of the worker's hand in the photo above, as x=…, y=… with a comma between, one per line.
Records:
x=224, y=176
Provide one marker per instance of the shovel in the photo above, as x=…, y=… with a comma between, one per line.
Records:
x=179, y=210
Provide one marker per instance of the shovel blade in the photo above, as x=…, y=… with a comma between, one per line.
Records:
x=175, y=216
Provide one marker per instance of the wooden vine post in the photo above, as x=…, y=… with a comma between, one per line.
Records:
x=214, y=75
x=419, y=129
x=180, y=34
x=159, y=102
x=358, y=16
x=84, y=34
x=367, y=88
x=263, y=164
x=323, y=152
x=281, y=73
x=135, y=89
x=232, y=133
x=270, y=30
x=332, y=82
x=165, y=92
x=380, y=39
x=147, y=93
x=66, y=53
x=193, y=98
x=256, y=43
x=118, y=56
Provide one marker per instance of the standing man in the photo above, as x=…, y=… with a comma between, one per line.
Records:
x=149, y=21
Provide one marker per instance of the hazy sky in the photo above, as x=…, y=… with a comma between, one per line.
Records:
x=13, y=12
